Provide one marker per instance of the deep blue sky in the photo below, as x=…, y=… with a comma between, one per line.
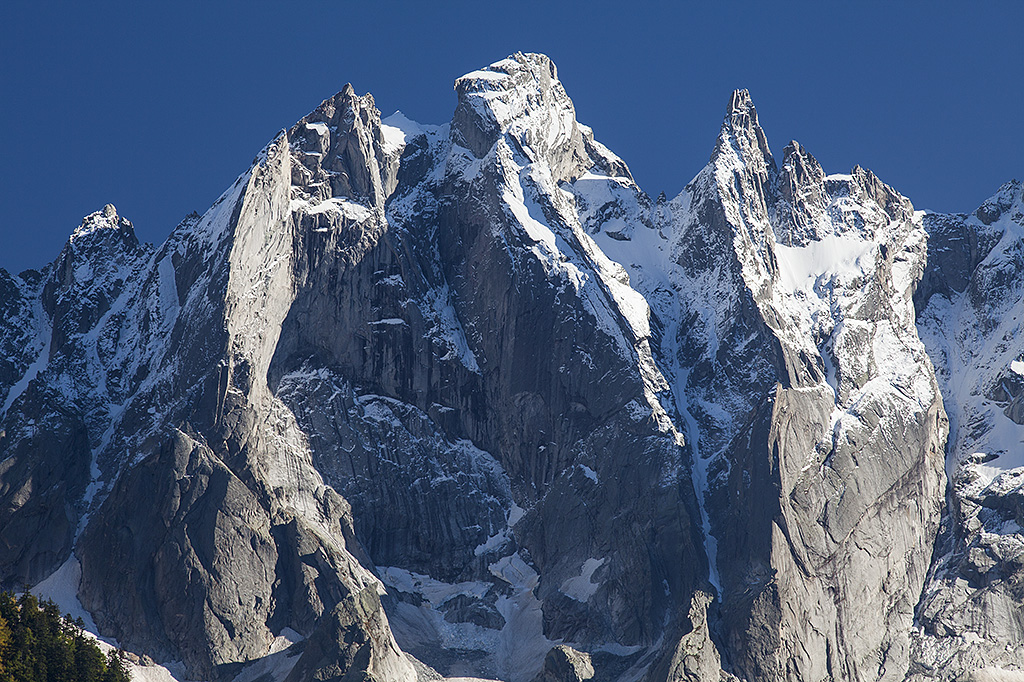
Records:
x=157, y=106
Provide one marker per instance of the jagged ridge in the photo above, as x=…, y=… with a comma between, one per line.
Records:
x=473, y=378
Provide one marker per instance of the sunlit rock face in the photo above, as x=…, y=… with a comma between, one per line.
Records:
x=413, y=401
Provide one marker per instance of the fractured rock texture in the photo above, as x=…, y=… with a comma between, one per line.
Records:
x=463, y=400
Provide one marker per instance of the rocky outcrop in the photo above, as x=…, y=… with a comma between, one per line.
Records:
x=180, y=548
x=18, y=348
x=565, y=664
x=352, y=644
x=694, y=658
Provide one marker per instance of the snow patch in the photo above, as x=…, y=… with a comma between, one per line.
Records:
x=445, y=327
x=495, y=542
x=352, y=210
x=515, y=513
x=43, y=342
x=996, y=674
x=277, y=664
x=319, y=128
x=61, y=587
x=581, y=588
x=588, y=472
x=523, y=645
x=398, y=131
x=834, y=257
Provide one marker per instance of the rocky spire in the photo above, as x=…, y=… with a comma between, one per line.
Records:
x=802, y=192
x=742, y=135
x=341, y=151
x=740, y=183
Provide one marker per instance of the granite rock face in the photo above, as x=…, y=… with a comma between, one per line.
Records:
x=462, y=400
x=352, y=644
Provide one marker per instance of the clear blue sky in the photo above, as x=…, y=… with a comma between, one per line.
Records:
x=157, y=106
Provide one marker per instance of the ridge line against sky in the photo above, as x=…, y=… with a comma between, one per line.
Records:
x=156, y=108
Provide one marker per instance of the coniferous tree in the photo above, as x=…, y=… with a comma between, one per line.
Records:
x=37, y=644
x=5, y=642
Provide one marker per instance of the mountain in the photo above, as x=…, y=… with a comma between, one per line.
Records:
x=411, y=402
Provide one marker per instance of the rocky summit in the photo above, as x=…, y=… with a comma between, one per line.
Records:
x=416, y=402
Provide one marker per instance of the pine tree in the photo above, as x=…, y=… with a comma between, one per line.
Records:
x=37, y=644
x=5, y=642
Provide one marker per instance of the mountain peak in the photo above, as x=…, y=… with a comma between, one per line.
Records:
x=492, y=98
x=535, y=66
x=999, y=203
x=741, y=104
x=742, y=134
x=103, y=223
x=801, y=186
x=342, y=150
x=520, y=96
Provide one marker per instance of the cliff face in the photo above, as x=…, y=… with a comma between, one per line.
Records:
x=815, y=422
x=412, y=397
